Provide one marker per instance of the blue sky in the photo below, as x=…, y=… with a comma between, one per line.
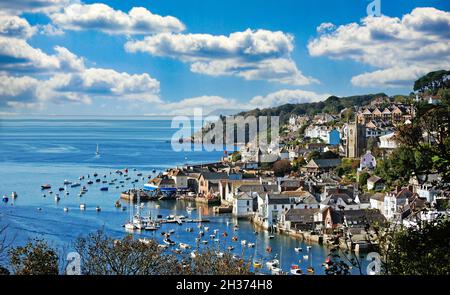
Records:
x=183, y=54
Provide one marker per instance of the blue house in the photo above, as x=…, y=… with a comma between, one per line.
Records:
x=334, y=137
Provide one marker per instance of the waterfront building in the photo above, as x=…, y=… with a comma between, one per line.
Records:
x=300, y=219
x=243, y=205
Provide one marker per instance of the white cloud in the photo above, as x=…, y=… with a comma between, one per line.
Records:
x=20, y=6
x=101, y=17
x=286, y=96
x=325, y=27
x=50, y=30
x=14, y=26
x=402, y=49
x=253, y=55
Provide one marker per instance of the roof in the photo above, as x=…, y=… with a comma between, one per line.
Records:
x=378, y=197
x=333, y=198
x=258, y=188
x=291, y=183
x=214, y=175
x=374, y=179
x=243, y=196
x=300, y=215
x=323, y=163
x=278, y=199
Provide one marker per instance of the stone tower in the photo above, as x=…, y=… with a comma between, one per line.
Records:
x=356, y=140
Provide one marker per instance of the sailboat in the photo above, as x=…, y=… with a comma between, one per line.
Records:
x=129, y=226
x=97, y=152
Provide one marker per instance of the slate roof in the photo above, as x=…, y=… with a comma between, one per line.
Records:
x=301, y=215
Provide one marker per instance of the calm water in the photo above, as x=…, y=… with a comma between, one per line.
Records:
x=35, y=152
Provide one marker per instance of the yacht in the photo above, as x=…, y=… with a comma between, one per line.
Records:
x=298, y=249
x=82, y=207
x=295, y=270
x=184, y=246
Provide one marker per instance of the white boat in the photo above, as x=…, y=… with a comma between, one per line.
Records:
x=129, y=226
x=212, y=236
x=276, y=271
x=57, y=198
x=169, y=242
x=295, y=270
x=193, y=254
x=219, y=254
x=251, y=245
x=97, y=152
x=184, y=246
x=13, y=195
x=271, y=237
x=205, y=242
x=151, y=227
x=189, y=229
x=66, y=182
x=272, y=263
x=298, y=249
x=66, y=209
x=83, y=207
x=98, y=209
x=206, y=228
x=172, y=231
x=305, y=257
x=216, y=231
x=308, y=248
x=217, y=240
x=243, y=242
x=160, y=246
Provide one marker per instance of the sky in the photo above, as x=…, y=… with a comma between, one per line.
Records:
x=167, y=57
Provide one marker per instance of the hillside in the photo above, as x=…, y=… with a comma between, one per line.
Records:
x=331, y=105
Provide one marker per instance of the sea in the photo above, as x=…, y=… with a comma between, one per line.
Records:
x=40, y=151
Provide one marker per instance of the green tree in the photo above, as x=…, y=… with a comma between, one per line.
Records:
x=363, y=177
x=421, y=250
x=35, y=258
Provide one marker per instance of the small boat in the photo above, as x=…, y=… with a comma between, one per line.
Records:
x=201, y=233
x=310, y=269
x=257, y=264
x=46, y=186
x=66, y=209
x=154, y=171
x=95, y=174
x=151, y=227
x=163, y=247
x=271, y=237
x=66, y=182
x=97, y=151
x=50, y=192
x=295, y=270
x=308, y=248
x=206, y=228
x=44, y=196
x=129, y=226
x=82, y=207
x=212, y=236
x=184, y=246
x=90, y=182
x=117, y=204
x=57, y=198
x=204, y=242
x=298, y=249
x=193, y=254
x=5, y=199
x=234, y=239
x=177, y=251
x=169, y=242
x=189, y=229
x=67, y=193
x=236, y=257
x=216, y=240
x=61, y=189
x=305, y=257
x=81, y=177
x=251, y=245
x=230, y=248
x=104, y=189
x=98, y=209
x=13, y=195
x=272, y=263
x=98, y=180
x=75, y=185
x=243, y=242
x=216, y=231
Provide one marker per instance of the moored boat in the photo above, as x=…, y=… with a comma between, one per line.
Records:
x=46, y=186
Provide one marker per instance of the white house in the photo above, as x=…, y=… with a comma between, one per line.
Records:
x=243, y=205
x=377, y=201
x=180, y=178
x=394, y=202
x=388, y=141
